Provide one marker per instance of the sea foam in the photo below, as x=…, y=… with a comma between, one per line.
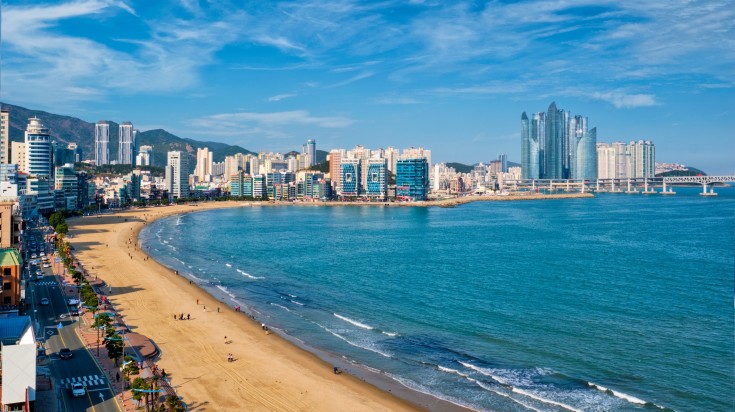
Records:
x=354, y=322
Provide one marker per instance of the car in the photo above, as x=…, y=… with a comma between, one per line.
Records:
x=39, y=276
x=46, y=265
x=73, y=302
x=65, y=353
x=44, y=302
x=77, y=390
x=43, y=254
x=33, y=256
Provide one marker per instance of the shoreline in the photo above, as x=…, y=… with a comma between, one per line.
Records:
x=360, y=387
x=270, y=372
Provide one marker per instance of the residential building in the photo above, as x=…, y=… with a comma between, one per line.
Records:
x=178, y=169
x=145, y=156
x=557, y=145
x=309, y=153
x=102, y=143
x=10, y=264
x=126, y=144
x=18, y=155
x=66, y=183
x=412, y=179
x=203, y=170
x=351, y=171
x=38, y=164
x=4, y=136
x=642, y=159
x=377, y=179
x=335, y=168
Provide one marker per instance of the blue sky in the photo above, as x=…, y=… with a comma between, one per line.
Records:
x=450, y=76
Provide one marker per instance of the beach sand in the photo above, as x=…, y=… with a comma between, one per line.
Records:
x=268, y=374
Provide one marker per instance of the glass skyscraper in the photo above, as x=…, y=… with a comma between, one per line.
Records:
x=126, y=146
x=350, y=175
x=557, y=145
x=102, y=143
x=412, y=178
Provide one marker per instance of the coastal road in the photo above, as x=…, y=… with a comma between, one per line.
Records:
x=81, y=367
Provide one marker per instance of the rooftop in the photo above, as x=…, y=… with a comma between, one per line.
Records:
x=9, y=257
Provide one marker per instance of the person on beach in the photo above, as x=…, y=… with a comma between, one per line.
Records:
x=205, y=308
x=187, y=316
x=197, y=301
x=226, y=340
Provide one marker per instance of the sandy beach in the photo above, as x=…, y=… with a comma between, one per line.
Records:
x=268, y=374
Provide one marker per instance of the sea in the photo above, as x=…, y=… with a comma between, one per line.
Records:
x=619, y=302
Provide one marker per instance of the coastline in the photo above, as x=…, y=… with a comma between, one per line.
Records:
x=270, y=372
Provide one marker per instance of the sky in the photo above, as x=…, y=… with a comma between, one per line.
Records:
x=450, y=76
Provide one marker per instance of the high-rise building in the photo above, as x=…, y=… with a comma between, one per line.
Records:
x=178, y=169
x=351, y=171
x=642, y=159
x=335, y=168
x=203, y=170
x=556, y=145
x=606, y=165
x=377, y=179
x=102, y=143
x=145, y=156
x=412, y=179
x=4, y=136
x=18, y=155
x=309, y=153
x=126, y=145
x=38, y=164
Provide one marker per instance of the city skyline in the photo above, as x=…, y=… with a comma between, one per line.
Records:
x=453, y=78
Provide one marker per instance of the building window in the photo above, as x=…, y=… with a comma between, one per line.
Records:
x=7, y=285
x=7, y=272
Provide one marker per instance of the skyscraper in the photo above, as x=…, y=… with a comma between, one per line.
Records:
x=309, y=153
x=101, y=143
x=126, y=146
x=555, y=145
x=38, y=164
x=145, y=156
x=351, y=171
x=377, y=179
x=178, y=169
x=4, y=136
x=203, y=169
x=642, y=158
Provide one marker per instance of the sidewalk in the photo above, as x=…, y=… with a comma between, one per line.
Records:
x=136, y=345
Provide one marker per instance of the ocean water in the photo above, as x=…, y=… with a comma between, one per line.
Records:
x=621, y=302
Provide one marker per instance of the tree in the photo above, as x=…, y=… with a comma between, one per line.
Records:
x=62, y=228
x=114, y=346
x=102, y=321
x=140, y=384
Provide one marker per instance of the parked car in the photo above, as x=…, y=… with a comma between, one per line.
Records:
x=44, y=302
x=73, y=302
x=77, y=390
x=65, y=353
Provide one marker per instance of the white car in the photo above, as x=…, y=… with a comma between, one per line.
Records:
x=77, y=390
x=73, y=302
x=46, y=265
x=33, y=256
x=43, y=254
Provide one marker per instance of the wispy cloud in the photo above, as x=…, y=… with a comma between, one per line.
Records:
x=397, y=100
x=266, y=124
x=279, y=97
x=626, y=101
x=353, y=79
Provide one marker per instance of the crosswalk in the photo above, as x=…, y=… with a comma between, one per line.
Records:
x=47, y=283
x=91, y=380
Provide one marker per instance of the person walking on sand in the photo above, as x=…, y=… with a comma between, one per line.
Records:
x=205, y=308
x=226, y=340
x=187, y=316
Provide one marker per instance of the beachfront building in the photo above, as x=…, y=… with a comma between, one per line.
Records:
x=412, y=179
x=619, y=160
x=66, y=185
x=241, y=184
x=18, y=367
x=102, y=143
x=557, y=145
x=335, y=168
x=4, y=136
x=309, y=153
x=351, y=173
x=203, y=170
x=126, y=144
x=178, y=169
x=259, y=187
x=377, y=179
x=642, y=160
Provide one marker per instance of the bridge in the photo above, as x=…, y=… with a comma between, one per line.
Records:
x=617, y=185
x=702, y=180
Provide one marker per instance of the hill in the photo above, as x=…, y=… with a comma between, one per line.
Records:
x=67, y=129
x=691, y=171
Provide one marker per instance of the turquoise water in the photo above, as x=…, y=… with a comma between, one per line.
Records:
x=509, y=306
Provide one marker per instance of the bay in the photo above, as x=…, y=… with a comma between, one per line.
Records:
x=620, y=302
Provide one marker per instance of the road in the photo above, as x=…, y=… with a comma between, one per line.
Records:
x=58, y=328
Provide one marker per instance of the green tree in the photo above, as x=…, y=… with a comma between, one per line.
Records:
x=62, y=228
x=101, y=321
x=140, y=384
x=114, y=346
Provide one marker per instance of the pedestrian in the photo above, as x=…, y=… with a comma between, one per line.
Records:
x=187, y=316
x=217, y=309
x=197, y=301
x=174, y=316
x=117, y=376
x=225, y=340
x=205, y=308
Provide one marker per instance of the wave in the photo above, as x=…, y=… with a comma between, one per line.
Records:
x=506, y=382
x=298, y=303
x=357, y=345
x=293, y=296
x=391, y=334
x=224, y=289
x=281, y=306
x=249, y=275
x=354, y=322
x=228, y=265
x=418, y=388
x=621, y=395
x=178, y=221
x=450, y=370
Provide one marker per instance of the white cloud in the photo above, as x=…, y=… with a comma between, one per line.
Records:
x=397, y=100
x=279, y=97
x=264, y=124
x=352, y=79
x=626, y=101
